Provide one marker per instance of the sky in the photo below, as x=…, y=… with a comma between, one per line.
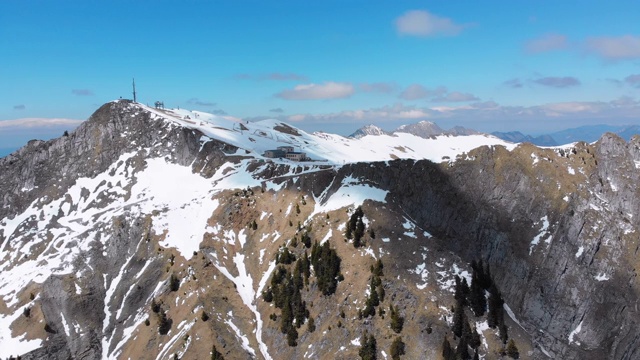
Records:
x=332, y=65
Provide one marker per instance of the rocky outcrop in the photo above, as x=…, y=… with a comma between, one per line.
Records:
x=575, y=287
x=558, y=227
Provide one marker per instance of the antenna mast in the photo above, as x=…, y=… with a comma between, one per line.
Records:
x=134, y=90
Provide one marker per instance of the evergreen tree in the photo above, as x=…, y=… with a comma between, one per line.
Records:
x=462, y=350
x=475, y=340
x=495, y=315
x=460, y=291
x=204, y=316
x=292, y=336
x=215, y=354
x=512, y=350
x=311, y=325
x=466, y=332
x=284, y=256
x=397, y=348
x=475, y=355
x=504, y=335
x=306, y=267
x=326, y=264
x=174, y=283
x=459, y=318
x=477, y=300
x=376, y=270
x=397, y=321
x=368, y=348
x=164, y=323
x=447, y=351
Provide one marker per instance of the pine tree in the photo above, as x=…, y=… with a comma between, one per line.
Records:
x=466, y=332
x=368, y=348
x=447, y=350
x=397, y=348
x=460, y=293
x=462, y=350
x=495, y=315
x=459, y=318
x=475, y=340
x=174, y=283
x=215, y=354
x=292, y=336
x=204, y=316
x=397, y=321
x=477, y=300
x=512, y=350
x=504, y=335
x=311, y=325
x=164, y=323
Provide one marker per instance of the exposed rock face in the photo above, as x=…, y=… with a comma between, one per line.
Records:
x=558, y=227
x=517, y=137
x=423, y=129
x=368, y=130
x=574, y=288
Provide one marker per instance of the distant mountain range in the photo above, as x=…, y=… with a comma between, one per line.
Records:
x=424, y=129
x=589, y=133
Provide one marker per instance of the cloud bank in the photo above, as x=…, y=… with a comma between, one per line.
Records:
x=324, y=91
x=35, y=123
x=625, y=47
x=558, y=82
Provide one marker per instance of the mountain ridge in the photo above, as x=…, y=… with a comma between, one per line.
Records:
x=103, y=220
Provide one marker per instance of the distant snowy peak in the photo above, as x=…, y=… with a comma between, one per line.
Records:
x=424, y=129
x=462, y=131
x=368, y=130
x=259, y=140
x=428, y=129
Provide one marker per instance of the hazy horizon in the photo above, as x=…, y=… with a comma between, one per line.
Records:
x=332, y=66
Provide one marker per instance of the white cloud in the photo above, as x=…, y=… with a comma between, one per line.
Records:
x=377, y=87
x=549, y=42
x=615, y=48
x=439, y=94
x=34, y=123
x=486, y=114
x=557, y=81
x=327, y=90
x=422, y=23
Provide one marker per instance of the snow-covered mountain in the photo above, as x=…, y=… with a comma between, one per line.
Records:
x=368, y=130
x=424, y=129
x=158, y=234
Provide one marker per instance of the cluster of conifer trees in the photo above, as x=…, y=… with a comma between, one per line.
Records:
x=356, y=227
x=285, y=289
x=376, y=297
x=474, y=297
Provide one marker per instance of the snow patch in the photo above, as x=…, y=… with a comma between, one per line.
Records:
x=575, y=332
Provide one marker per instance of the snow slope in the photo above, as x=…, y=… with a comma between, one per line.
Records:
x=257, y=137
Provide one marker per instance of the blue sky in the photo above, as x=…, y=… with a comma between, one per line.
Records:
x=533, y=66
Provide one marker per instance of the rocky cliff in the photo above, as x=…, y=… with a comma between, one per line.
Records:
x=138, y=236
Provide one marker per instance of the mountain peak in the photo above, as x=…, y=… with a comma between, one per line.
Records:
x=423, y=129
x=368, y=130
